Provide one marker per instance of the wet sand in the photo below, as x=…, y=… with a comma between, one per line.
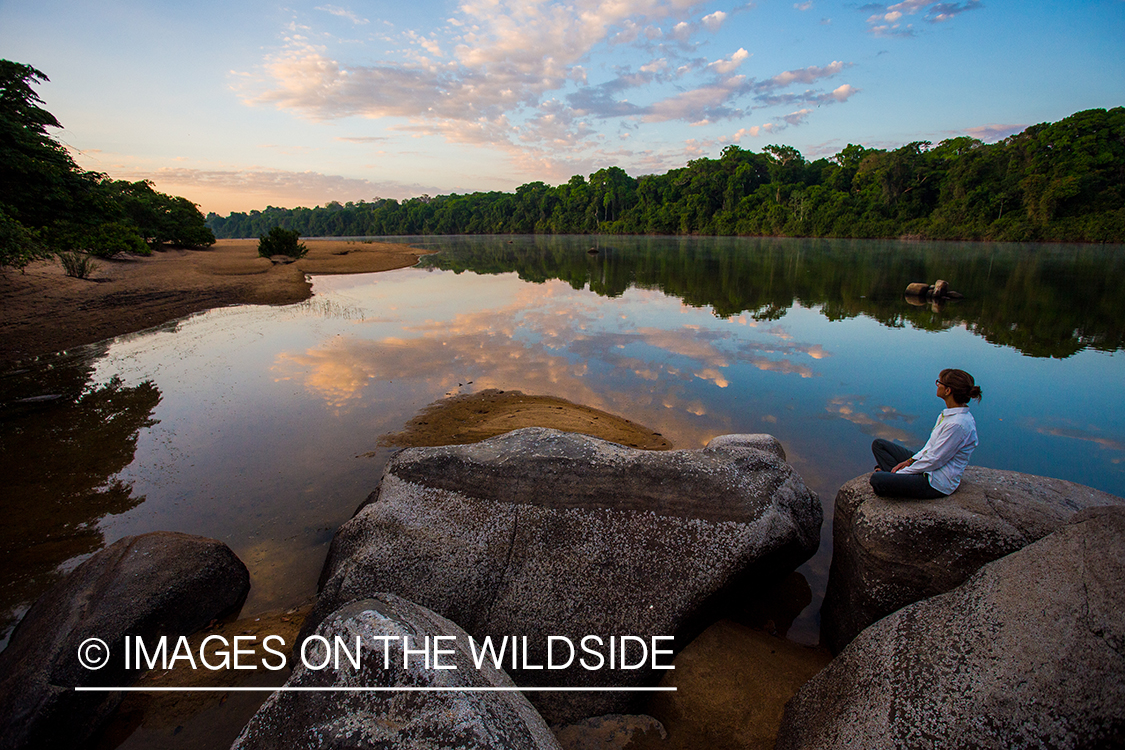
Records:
x=46, y=311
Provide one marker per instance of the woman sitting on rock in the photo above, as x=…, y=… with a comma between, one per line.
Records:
x=935, y=471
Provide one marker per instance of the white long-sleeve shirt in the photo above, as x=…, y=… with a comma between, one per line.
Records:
x=946, y=454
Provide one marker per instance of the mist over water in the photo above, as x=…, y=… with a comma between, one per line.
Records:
x=251, y=424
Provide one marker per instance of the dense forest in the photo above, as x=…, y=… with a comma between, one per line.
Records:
x=49, y=204
x=1060, y=181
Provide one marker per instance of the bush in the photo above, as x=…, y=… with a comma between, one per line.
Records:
x=109, y=239
x=281, y=242
x=77, y=265
x=103, y=240
x=18, y=244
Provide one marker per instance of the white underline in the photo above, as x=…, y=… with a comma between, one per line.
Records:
x=374, y=689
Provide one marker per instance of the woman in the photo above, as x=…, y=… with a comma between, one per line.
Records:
x=935, y=471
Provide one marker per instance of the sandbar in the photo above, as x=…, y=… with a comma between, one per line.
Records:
x=473, y=417
x=46, y=311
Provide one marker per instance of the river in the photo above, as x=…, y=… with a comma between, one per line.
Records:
x=259, y=425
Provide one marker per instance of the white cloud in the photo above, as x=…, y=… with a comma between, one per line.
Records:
x=696, y=104
x=885, y=22
x=343, y=13
x=798, y=117
x=994, y=132
x=515, y=76
x=682, y=31
x=756, y=131
x=808, y=75
x=803, y=6
x=228, y=190
x=713, y=21
x=731, y=64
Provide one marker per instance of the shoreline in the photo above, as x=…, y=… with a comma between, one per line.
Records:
x=45, y=311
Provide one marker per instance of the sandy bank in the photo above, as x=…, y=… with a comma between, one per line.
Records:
x=478, y=416
x=46, y=311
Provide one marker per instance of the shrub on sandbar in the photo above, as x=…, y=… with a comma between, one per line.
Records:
x=281, y=242
x=77, y=265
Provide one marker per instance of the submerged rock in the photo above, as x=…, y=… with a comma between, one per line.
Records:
x=540, y=533
x=1029, y=652
x=162, y=583
x=395, y=719
x=890, y=552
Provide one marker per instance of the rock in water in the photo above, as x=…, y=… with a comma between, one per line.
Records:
x=917, y=289
x=1029, y=652
x=395, y=719
x=155, y=584
x=541, y=533
x=890, y=552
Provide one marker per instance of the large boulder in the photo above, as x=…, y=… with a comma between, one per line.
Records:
x=1029, y=652
x=333, y=711
x=151, y=585
x=541, y=533
x=889, y=552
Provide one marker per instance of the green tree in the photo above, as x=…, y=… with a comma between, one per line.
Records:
x=37, y=175
x=280, y=241
x=48, y=203
x=18, y=245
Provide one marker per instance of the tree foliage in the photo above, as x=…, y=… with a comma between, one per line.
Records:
x=49, y=204
x=1055, y=181
x=280, y=241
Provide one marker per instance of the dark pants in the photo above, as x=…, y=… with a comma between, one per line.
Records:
x=892, y=484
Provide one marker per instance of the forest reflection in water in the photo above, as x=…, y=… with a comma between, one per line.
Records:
x=62, y=443
x=251, y=424
x=1043, y=300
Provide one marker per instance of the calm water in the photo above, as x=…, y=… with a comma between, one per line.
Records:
x=250, y=424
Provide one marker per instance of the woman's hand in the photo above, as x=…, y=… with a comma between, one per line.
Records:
x=904, y=464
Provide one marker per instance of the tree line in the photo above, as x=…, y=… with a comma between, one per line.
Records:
x=1062, y=181
x=49, y=204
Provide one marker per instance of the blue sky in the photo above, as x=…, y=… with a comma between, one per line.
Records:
x=242, y=105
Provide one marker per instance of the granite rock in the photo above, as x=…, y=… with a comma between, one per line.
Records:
x=1029, y=652
x=890, y=552
x=541, y=533
x=156, y=584
x=395, y=719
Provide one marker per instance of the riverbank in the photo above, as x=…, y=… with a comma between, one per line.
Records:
x=46, y=311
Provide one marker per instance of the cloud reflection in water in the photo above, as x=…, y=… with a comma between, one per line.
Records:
x=547, y=339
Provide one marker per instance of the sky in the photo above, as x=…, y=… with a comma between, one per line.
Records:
x=242, y=105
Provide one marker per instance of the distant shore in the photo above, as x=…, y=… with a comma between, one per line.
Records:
x=45, y=311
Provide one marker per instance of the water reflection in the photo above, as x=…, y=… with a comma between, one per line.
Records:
x=879, y=422
x=250, y=425
x=550, y=339
x=1042, y=300
x=61, y=445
